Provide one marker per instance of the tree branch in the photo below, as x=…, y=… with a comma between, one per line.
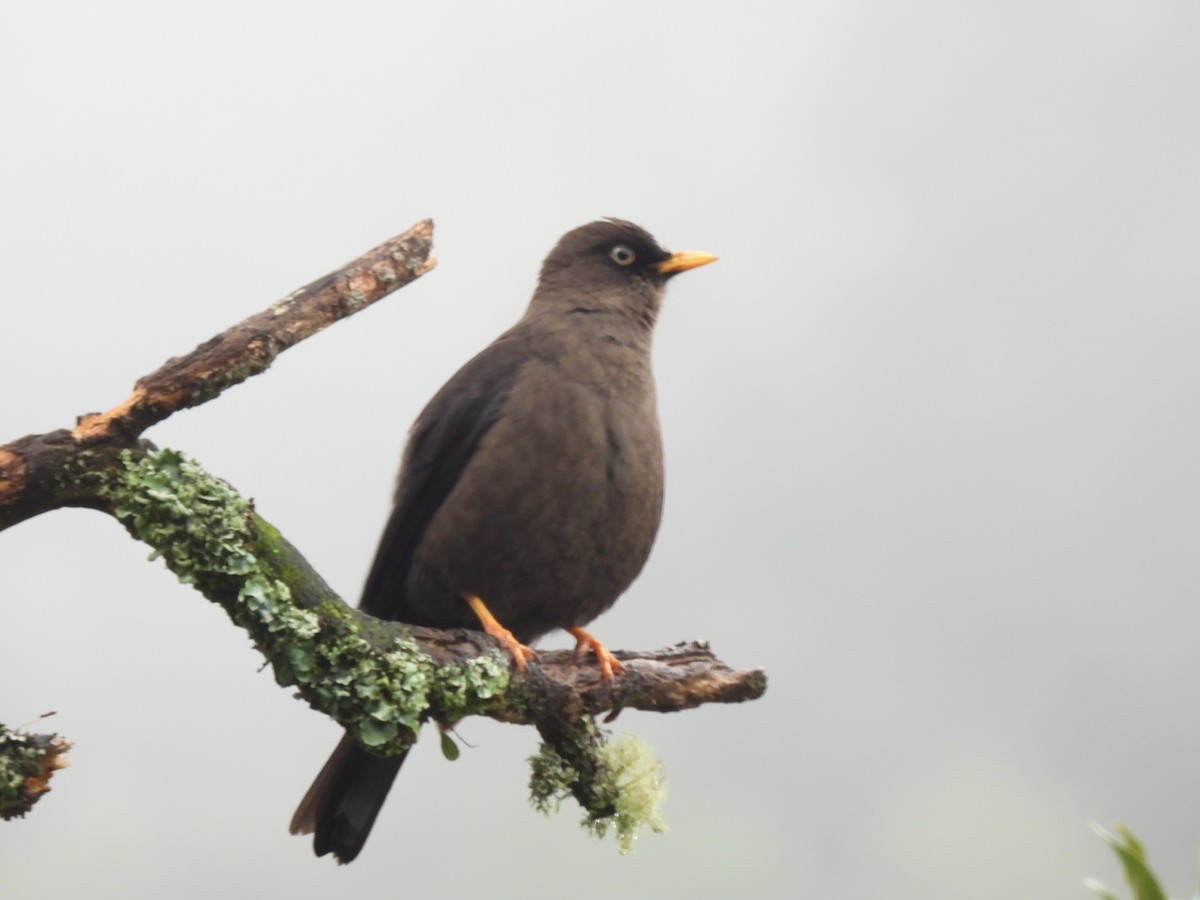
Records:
x=27, y=763
x=250, y=347
x=380, y=680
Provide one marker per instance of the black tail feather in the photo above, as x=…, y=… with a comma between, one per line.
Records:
x=340, y=807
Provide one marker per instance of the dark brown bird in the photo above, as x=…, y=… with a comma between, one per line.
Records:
x=530, y=490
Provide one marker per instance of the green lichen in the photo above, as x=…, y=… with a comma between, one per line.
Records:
x=200, y=527
x=381, y=696
x=627, y=793
x=464, y=690
x=550, y=779
x=378, y=686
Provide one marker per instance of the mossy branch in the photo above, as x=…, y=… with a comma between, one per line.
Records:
x=380, y=680
x=27, y=762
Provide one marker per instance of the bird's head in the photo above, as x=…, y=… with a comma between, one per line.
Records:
x=611, y=266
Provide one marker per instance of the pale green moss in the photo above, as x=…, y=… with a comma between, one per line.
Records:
x=627, y=794
x=634, y=783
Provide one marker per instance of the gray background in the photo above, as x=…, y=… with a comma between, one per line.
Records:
x=930, y=423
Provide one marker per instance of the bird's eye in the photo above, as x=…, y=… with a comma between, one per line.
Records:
x=622, y=255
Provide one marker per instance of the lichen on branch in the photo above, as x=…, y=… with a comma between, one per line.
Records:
x=625, y=791
x=27, y=763
x=379, y=687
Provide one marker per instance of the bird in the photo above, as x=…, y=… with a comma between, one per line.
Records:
x=530, y=488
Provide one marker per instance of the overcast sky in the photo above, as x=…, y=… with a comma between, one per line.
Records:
x=930, y=423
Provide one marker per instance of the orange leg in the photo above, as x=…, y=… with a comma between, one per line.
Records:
x=608, y=663
x=516, y=649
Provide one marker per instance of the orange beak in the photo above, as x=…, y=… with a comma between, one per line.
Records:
x=681, y=262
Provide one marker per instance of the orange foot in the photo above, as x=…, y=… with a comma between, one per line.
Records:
x=518, y=651
x=608, y=663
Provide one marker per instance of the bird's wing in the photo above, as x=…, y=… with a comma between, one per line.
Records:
x=441, y=444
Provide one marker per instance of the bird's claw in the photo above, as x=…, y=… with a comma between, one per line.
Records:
x=518, y=651
x=608, y=663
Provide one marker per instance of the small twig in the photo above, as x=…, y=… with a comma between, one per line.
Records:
x=249, y=347
x=46, y=471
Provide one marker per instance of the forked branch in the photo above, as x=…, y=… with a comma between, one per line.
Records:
x=380, y=680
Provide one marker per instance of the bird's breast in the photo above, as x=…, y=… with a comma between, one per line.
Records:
x=556, y=513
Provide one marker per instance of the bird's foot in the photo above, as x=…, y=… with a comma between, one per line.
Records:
x=518, y=651
x=604, y=657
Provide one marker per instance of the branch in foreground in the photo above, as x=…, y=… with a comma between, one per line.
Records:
x=382, y=680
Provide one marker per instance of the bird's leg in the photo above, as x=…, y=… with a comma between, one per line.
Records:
x=608, y=663
x=516, y=649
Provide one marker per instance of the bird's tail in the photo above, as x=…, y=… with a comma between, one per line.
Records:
x=340, y=807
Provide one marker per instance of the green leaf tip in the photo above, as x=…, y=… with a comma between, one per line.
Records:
x=1132, y=856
